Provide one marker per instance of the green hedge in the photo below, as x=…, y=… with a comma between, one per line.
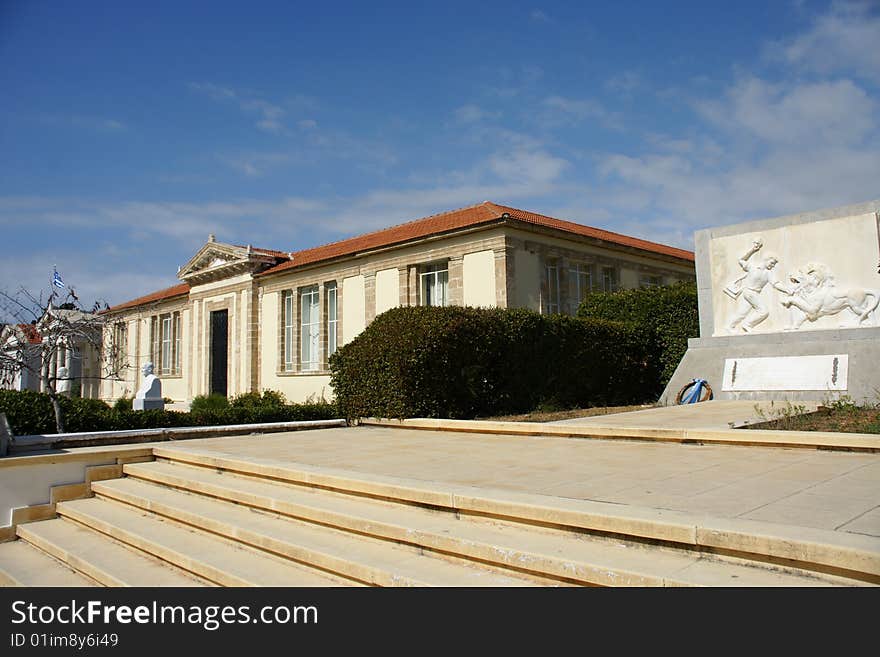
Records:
x=31, y=413
x=467, y=362
x=669, y=313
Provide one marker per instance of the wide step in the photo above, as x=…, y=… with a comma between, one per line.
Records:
x=357, y=557
x=560, y=556
x=101, y=558
x=24, y=565
x=210, y=557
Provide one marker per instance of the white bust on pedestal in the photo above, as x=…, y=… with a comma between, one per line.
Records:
x=149, y=396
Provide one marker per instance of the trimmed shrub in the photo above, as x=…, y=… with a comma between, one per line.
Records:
x=266, y=399
x=669, y=314
x=208, y=403
x=123, y=404
x=466, y=362
x=31, y=413
x=28, y=412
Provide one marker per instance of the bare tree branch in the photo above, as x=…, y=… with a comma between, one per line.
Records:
x=47, y=335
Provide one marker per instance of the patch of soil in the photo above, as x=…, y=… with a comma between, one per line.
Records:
x=846, y=419
x=552, y=416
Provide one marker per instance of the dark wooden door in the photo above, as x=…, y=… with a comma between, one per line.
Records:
x=219, y=350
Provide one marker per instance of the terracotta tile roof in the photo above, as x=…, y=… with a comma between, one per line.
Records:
x=598, y=233
x=475, y=215
x=484, y=213
x=161, y=295
x=270, y=252
x=31, y=332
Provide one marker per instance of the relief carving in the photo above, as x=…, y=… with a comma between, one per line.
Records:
x=746, y=290
x=813, y=293
x=816, y=295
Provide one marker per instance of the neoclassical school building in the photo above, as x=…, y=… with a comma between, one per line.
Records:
x=247, y=319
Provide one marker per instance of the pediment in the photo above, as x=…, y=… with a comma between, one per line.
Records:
x=216, y=261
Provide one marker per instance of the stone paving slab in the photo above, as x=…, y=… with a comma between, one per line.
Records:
x=715, y=414
x=830, y=490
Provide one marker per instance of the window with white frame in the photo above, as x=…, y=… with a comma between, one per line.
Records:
x=119, y=346
x=434, y=283
x=609, y=279
x=551, y=302
x=165, y=343
x=287, y=331
x=310, y=324
x=646, y=280
x=580, y=283
x=332, y=317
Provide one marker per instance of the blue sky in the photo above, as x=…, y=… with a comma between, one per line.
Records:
x=130, y=131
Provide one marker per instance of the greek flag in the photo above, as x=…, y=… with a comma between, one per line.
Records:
x=56, y=279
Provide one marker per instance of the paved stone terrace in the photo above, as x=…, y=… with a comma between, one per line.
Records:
x=801, y=487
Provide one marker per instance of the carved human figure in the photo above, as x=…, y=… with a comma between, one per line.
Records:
x=63, y=378
x=149, y=395
x=751, y=309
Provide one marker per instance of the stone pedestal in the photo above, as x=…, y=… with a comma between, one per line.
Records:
x=807, y=326
x=149, y=396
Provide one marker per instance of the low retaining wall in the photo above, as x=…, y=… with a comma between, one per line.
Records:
x=20, y=444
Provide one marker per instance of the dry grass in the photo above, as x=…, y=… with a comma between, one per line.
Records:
x=841, y=417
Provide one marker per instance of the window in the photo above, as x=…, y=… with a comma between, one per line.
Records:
x=165, y=343
x=310, y=321
x=332, y=318
x=580, y=284
x=551, y=303
x=650, y=281
x=434, y=283
x=287, y=331
x=119, y=347
x=609, y=279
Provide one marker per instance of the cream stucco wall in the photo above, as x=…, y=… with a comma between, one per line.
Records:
x=270, y=342
x=301, y=387
x=478, y=273
x=387, y=290
x=527, y=268
x=353, y=308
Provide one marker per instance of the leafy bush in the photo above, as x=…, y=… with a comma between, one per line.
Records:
x=668, y=313
x=208, y=403
x=266, y=399
x=463, y=362
x=123, y=404
x=28, y=412
x=31, y=413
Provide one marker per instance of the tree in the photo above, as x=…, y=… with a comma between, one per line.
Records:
x=48, y=332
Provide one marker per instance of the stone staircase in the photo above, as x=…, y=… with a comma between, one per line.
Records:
x=193, y=518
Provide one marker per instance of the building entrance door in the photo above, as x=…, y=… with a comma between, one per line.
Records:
x=219, y=351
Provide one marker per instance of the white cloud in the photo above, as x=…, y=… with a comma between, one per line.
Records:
x=90, y=123
x=527, y=166
x=835, y=111
x=269, y=115
x=844, y=40
x=539, y=16
x=254, y=165
x=769, y=145
x=472, y=113
x=624, y=83
x=558, y=111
